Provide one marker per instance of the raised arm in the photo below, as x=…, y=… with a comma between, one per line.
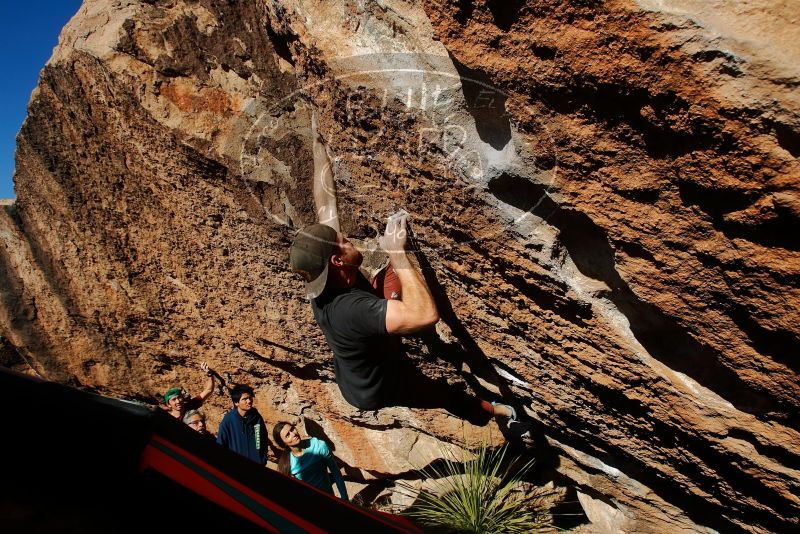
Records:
x=209, y=389
x=324, y=186
x=416, y=310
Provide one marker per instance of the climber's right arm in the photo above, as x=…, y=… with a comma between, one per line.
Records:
x=324, y=186
x=416, y=310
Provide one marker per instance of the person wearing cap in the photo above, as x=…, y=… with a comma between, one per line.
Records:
x=363, y=321
x=177, y=402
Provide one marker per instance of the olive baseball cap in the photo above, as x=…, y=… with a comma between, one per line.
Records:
x=310, y=256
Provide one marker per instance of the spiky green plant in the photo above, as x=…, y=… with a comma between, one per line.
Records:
x=479, y=495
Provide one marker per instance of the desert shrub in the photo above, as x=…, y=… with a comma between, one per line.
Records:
x=480, y=495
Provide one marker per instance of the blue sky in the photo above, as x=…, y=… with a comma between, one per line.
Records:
x=28, y=32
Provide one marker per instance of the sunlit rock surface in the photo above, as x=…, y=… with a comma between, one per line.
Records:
x=604, y=194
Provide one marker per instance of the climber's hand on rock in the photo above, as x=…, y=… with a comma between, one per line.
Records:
x=395, y=238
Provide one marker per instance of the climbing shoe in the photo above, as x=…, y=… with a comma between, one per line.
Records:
x=519, y=429
x=513, y=416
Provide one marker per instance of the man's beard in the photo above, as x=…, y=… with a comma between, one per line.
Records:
x=357, y=260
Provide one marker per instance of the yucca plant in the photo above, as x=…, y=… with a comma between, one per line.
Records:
x=479, y=495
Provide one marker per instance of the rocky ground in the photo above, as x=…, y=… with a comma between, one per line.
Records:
x=604, y=195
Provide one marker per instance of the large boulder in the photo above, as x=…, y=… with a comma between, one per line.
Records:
x=604, y=196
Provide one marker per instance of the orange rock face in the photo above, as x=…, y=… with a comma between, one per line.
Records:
x=604, y=196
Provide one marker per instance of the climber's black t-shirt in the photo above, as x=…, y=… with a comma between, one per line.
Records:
x=354, y=323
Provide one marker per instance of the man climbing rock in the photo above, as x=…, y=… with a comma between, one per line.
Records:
x=363, y=326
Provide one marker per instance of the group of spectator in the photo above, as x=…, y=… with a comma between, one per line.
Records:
x=243, y=431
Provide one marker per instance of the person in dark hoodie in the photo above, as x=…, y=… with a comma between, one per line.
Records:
x=242, y=430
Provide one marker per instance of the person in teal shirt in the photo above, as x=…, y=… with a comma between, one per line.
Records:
x=309, y=459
